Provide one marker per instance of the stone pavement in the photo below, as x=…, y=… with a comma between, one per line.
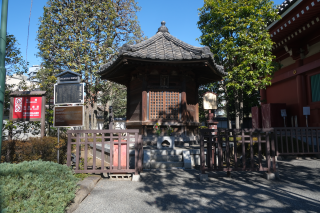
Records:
x=181, y=191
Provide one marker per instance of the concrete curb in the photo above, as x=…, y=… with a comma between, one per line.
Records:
x=86, y=187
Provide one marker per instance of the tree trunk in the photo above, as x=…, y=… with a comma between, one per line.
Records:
x=87, y=118
x=105, y=117
x=229, y=124
x=236, y=92
x=94, y=115
x=241, y=109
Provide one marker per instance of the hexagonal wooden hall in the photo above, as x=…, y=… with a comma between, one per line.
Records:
x=162, y=75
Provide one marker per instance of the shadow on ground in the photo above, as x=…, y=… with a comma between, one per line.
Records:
x=181, y=190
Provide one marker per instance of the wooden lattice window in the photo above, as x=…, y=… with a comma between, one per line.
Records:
x=164, y=105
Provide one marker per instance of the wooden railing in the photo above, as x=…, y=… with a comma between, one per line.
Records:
x=228, y=144
x=297, y=140
x=264, y=143
x=127, y=139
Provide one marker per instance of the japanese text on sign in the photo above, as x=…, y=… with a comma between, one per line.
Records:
x=27, y=107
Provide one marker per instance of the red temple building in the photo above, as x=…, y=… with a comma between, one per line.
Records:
x=297, y=48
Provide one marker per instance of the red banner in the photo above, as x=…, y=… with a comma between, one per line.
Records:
x=27, y=107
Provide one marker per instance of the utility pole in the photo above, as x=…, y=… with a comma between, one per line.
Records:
x=3, y=40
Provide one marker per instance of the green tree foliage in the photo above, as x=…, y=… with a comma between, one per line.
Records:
x=237, y=35
x=13, y=59
x=81, y=36
x=114, y=95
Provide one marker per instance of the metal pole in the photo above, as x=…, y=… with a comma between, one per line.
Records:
x=3, y=40
x=58, y=144
x=284, y=118
x=307, y=120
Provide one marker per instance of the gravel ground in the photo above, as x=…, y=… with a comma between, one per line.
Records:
x=181, y=191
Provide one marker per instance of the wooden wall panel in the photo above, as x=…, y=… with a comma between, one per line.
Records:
x=135, y=94
x=192, y=113
x=191, y=92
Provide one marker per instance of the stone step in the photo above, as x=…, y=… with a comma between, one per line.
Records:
x=165, y=152
x=182, y=144
x=185, y=143
x=165, y=165
x=166, y=158
x=120, y=176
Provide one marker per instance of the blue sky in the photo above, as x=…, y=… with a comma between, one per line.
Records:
x=181, y=18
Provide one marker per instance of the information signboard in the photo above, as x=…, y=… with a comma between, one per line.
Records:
x=283, y=113
x=68, y=116
x=68, y=93
x=68, y=77
x=210, y=100
x=306, y=110
x=27, y=107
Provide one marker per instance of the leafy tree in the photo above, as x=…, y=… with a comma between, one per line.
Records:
x=13, y=59
x=81, y=35
x=237, y=35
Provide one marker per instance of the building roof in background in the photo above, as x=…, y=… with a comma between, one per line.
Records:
x=287, y=4
x=284, y=9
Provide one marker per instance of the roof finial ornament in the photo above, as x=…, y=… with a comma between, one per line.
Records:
x=163, y=28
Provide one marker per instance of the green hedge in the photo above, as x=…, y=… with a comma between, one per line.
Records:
x=36, y=186
x=45, y=148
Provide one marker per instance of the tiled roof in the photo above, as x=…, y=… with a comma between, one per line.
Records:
x=163, y=46
x=285, y=5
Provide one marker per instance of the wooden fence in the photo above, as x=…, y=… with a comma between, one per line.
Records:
x=219, y=141
x=259, y=154
x=297, y=141
x=113, y=139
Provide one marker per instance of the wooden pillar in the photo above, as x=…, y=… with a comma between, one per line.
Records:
x=301, y=95
x=197, y=101
x=144, y=99
x=43, y=116
x=10, y=117
x=183, y=99
x=263, y=96
x=128, y=101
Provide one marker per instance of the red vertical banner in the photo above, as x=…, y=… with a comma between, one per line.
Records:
x=27, y=107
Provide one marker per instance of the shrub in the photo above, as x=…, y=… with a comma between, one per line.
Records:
x=45, y=148
x=36, y=186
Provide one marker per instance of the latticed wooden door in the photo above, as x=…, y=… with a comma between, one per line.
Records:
x=164, y=105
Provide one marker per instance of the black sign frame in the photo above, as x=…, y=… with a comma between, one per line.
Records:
x=68, y=77
x=57, y=102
